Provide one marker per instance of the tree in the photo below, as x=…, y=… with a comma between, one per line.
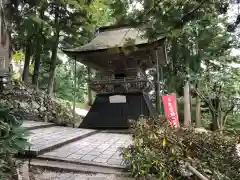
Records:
x=70, y=18
x=220, y=91
x=40, y=40
x=180, y=21
x=42, y=26
x=26, y=29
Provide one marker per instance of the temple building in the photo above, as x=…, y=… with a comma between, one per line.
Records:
x=120, y=55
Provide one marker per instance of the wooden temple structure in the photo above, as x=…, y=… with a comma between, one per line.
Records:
x=120, y=56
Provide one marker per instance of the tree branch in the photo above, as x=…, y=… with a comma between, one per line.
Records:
x=206, y=100
x=190, y=13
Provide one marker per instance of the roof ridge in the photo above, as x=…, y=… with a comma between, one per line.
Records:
x=116, y=26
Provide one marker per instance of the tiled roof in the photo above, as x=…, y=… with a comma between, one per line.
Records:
x=115, y=37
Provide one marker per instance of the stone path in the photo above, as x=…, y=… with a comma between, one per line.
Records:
x=100, y=149
x=52, y=146
x=45, y=139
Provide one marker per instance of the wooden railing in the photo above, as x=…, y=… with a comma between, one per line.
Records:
x=128, y=84
x=196, y=172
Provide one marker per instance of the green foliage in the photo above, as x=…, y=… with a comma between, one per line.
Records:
x=233, y=122
x=100, y=13
x=43, y=27
x=220, y=91
x=64, y=81
x=64, y=85
x=159, y=151
x=18, y=56
x=13, y=139
x=192, y=30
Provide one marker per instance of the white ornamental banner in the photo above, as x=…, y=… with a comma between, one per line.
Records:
x=117, y=99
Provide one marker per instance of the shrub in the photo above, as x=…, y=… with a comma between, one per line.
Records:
x=39, y=106
x=12, y=140
x=159, y=151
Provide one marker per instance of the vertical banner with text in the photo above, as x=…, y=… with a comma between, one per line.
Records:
x=170, y=109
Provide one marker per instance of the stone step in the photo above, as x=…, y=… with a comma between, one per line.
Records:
x=118, y=131
x=71, y=167
x=31, y=125
x=47, y=139
x=116, y=163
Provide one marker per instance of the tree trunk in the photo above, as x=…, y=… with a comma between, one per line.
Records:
x=54, y=53
x=215, y=115
x=187, y=110
x=38, y=53
x=27, y=62
x=214, y=123
x=53, y=64
x=36, y=67
x=10, y=46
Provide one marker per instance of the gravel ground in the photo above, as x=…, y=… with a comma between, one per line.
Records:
x=39, y=174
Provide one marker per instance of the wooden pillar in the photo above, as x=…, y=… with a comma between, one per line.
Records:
x=162, y=91
x=187, y=109
x=74, y=91
x=88, y=88
x=198, y=110
x=157, y=103
x=157, y=86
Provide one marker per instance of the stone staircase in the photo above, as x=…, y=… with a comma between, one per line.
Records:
x=75, y=149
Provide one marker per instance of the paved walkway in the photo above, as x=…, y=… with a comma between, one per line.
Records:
x=100, y=148
x=76, y=145
x=45, y=139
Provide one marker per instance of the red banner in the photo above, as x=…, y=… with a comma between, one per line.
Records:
x=170, y=109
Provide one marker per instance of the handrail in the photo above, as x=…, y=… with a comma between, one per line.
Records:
x=196, y=172
x=112, y=80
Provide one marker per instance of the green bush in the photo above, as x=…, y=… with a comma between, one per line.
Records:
x=158, y=152
x=13, y=139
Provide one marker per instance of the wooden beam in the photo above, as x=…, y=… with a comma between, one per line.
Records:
x=89, y=89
